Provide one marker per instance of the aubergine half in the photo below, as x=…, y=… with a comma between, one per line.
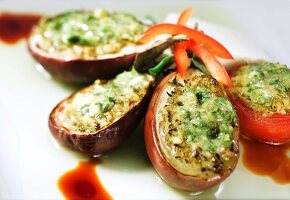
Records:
x=98, y=118
x=191, y=131
x=85, y=45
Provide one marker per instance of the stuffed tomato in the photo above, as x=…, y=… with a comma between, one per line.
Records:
x=261, y=95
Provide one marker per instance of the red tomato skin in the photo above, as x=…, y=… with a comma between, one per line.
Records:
x=273, y=129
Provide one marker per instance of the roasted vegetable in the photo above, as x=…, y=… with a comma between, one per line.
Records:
x=261, y=95
x=99, y=117
x=82, y=46
x=191, y=131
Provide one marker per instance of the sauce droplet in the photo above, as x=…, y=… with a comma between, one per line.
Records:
x=83, y=182
x=267, y=160
x=14, y=27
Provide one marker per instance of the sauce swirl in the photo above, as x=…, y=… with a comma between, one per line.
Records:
x=267, y=160
x=83, y=183
x=14, y=27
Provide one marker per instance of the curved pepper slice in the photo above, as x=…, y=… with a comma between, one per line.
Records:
x=214, y=67
x=181, y=59
x=174, y=29
x=184, y=16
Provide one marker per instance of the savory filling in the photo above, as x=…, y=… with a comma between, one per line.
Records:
x=263, y=87
x=103, y=103
x=198, y=124
x=87, y=34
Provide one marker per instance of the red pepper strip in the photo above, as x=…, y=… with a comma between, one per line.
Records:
x=181, y=59
x=184, y=16
x=180, y=55
x=214, y=67
x=174, y=29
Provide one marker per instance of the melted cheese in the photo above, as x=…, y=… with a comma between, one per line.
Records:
x=264, y=87
x=103, y=103
x=198, y=124
x=87, y=34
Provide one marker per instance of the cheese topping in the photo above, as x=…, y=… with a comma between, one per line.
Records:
x=198, y=124
x=87, y=34
x=103, y=103
x=264, y=87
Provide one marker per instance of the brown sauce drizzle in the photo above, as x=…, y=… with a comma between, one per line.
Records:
x=83, y=182
x=14, y=27
x=267, y=160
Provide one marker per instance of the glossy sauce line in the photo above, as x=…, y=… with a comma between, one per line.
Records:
x=267, y=160
x=83, y=183
x=14, y=27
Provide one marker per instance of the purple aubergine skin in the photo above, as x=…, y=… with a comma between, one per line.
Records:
x=104, y=139
x=78, y=70
x=81, y=71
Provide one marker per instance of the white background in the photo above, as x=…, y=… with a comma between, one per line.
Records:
x=31, y=161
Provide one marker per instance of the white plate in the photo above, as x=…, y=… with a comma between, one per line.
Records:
x=32, y=162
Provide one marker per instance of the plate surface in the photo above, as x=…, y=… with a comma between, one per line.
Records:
x=32, y=161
